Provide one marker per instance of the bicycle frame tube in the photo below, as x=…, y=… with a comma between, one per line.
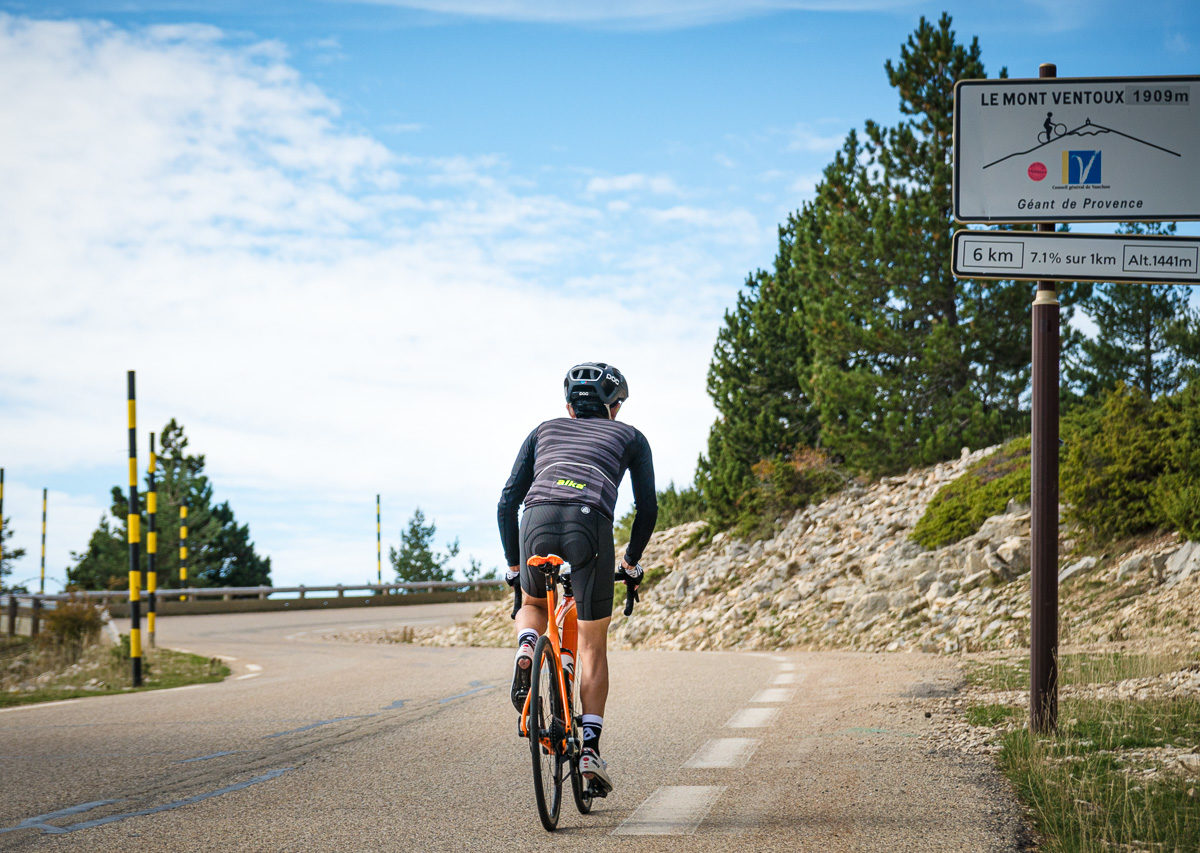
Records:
x=556, y=645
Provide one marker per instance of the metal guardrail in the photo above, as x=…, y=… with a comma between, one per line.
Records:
x=256, y=591
x=37, y=602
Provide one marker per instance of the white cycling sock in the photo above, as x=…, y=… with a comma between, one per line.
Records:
x=529, y=636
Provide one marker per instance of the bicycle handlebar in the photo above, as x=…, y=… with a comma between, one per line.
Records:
x=516, y=601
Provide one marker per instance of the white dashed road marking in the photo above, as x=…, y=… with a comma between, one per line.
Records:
x=788, y=667
x=671, y=810
x=723, y=752
x=785, y=678
x=253, y=667
x=247, y=675
x=752, y=718
x=773, y=694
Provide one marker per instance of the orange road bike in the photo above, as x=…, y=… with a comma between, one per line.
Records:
x=550, y=718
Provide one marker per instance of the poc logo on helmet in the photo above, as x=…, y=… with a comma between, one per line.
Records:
x=612, y=379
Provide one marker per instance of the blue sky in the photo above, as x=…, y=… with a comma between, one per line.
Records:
x=353, y=246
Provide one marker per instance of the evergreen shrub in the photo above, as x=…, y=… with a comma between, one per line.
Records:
x=961, y=506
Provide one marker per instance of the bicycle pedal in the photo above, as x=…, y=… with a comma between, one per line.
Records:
x=595, y=790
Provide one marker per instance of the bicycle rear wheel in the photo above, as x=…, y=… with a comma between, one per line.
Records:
x=547, y=734
x=580, y=787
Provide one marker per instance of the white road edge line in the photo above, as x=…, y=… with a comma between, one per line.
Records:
x=247, y=675
x=773, y=694
x=35, y=705
x=723, y=752
x=671, y=810
x=752, y=718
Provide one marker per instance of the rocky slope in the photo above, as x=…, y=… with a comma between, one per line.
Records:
x=844, y=574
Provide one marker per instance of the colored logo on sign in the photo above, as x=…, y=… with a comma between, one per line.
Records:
x=1081, y=167
x=1036, y=171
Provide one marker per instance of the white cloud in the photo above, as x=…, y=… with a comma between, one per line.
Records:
x=648, y=14
x=804, y=137
x=633, y=183
x=1177, y=43
x=329, y=318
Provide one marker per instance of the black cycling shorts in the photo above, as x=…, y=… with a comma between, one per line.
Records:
x=581, y=536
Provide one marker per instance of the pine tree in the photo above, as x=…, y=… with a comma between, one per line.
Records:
x=415, y=561
x=220, y=552
x=763, y=412
x=1144, y=334
x=10, y=555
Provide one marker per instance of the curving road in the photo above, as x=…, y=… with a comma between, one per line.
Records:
x=316, y=745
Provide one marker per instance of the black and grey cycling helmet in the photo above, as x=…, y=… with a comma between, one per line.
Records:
x=595, y=382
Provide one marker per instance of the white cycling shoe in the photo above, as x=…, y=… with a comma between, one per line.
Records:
x=595, y=769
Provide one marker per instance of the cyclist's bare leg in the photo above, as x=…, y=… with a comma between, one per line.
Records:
x=593, y=665
x=532, y=615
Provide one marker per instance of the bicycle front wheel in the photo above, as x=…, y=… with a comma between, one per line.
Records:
x=547, y=734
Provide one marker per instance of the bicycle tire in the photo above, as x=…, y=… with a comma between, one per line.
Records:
x=580, y=787
x=547, y=734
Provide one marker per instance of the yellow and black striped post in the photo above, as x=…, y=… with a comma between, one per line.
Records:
x=134, y=523
x=42, y=582
x=378, y=545
x=183, y=549
x=151, y=547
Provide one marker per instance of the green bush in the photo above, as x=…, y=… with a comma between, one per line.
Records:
x=962, y=506
x=1176, y=495
x=1113, y=458
x=72, y=626
x=783, y=485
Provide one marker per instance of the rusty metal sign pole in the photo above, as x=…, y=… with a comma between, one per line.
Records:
x=1043, y=632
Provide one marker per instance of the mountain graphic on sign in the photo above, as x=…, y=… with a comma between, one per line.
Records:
x=1085, y=129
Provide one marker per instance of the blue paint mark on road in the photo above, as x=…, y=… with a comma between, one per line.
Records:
x=39, y=821
x=477, y=687
x=206, y=757
x=187, y=801
x=399, y=703
x=320, y=723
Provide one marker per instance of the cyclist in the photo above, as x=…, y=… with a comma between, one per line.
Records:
x=1048, y=124
x=567, y=473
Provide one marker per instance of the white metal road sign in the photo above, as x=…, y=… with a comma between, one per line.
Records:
x=1070, y=149
x=1076, y=257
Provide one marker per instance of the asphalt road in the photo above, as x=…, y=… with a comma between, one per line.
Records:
x=317, y=745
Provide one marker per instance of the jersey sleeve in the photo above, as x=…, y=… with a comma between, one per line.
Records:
x=514, y=492
x=645, y=499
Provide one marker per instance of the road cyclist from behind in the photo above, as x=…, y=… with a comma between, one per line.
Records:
x=566, y=474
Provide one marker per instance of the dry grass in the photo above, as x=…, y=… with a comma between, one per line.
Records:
x=1112, y=776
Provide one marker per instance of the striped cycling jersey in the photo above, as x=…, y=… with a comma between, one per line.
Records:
x=580, y=461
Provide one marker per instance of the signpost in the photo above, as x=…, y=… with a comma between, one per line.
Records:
x=1076, y=257
x=1114, y=149
x=1067, y=150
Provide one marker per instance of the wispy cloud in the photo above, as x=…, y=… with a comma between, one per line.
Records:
x=642, y=14
x=1177, y=43
x=804, y=137
x=633, y=183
